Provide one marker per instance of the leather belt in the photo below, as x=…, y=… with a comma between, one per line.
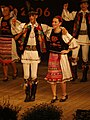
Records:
x=31, y=47
x=83, y=32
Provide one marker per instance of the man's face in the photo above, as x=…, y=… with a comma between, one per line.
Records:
x=84, y=6
x=32, y=18
x=5, y=11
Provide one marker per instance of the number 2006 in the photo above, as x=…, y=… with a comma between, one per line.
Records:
x=46, y=12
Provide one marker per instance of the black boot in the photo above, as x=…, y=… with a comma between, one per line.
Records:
x=33, y=90
x=27, y=91
x=84, y=76
x=74, y=72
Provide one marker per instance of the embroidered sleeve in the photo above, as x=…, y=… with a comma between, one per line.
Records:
x=47, y=30
x=67, y=16
x=70, y=40
x=0, y=20
x=67, y=38
x=17, y=27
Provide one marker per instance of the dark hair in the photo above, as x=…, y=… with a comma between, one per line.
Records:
x=43, y=112
x=59, y=18
x=83, y=1
x=3, y=6
x=32, y=12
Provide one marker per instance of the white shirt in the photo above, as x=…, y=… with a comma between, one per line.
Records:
x=67, y=16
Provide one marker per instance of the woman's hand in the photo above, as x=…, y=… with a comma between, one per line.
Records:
x=65, y=51
x=64, y=31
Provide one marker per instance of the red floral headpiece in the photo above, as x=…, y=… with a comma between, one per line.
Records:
x=59, y=18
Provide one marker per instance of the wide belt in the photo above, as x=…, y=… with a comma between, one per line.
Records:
x=31, y=47
x=83, y=32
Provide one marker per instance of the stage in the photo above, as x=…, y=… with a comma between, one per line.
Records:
x=79, y=93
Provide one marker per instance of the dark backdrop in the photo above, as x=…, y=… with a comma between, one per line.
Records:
x=47, y=8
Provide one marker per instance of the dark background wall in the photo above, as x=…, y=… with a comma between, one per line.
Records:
x=47, y=8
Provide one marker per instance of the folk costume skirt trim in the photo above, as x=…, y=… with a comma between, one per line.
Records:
x=58, y=69
x=54, y=69
x=8, y=52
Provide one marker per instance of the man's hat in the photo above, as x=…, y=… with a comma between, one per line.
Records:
x=32, y=12
x=7, y=5
x=66, y=1
x=83, y=1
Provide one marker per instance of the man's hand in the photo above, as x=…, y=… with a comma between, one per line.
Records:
x=65, y=6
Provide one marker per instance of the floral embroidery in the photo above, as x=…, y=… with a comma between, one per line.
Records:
x=77, y=23
x=40, y=38
x=54, y=38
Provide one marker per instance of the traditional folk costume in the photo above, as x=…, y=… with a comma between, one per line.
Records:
x=58, y=67
x=81, y=32
x=31, y=46
x=8, y=52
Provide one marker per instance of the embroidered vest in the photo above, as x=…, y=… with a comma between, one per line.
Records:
x=5, y=28
x=77, y=24
x=40, y=40
x=56, y=42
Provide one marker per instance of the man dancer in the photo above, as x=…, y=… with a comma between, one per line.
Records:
x=81, y=31
x=32, y=48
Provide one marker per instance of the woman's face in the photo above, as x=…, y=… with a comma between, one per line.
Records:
x=55, y=23
x=6, y=11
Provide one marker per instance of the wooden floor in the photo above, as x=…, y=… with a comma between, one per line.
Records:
x=79, y=93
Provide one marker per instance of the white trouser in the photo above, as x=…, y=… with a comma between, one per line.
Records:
x=26, y=69
x=85, y=52
x=75, y=55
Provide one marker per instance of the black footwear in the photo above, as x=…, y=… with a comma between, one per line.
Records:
x=32, y=98
x=74, y=73
x=85, y=71
x=33, y=90
x=5, y=79
x=27, y=91
x=54, y=100
x=27, y=99
x=15, y=75
x=83, y=80
x=74, y=79
x=63, y=100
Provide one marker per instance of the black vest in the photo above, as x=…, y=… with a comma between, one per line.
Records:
x=56, y=42
x=22, y=45
x=77, y=24
x=5, y=28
